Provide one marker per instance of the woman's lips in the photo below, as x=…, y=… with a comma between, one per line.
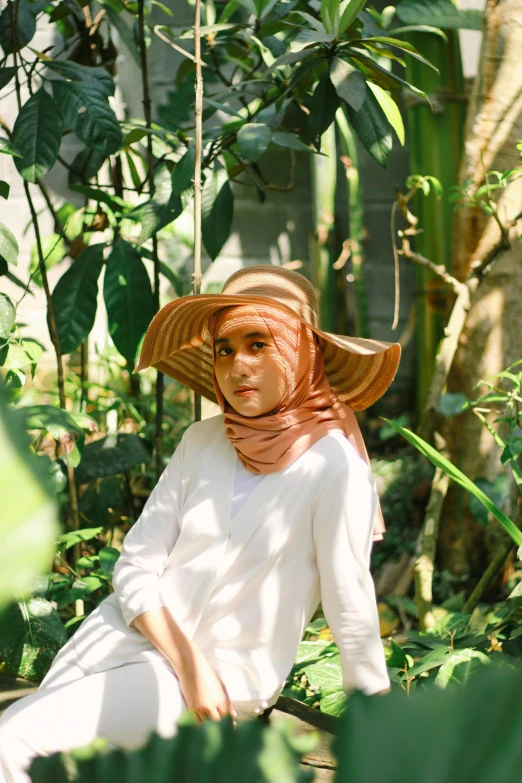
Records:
x=245, y=392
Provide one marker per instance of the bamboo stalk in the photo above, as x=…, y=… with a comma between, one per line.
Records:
x=356, y=223
x=196, y=276
x=324, y=180
x=436, y=139
x=147, y=110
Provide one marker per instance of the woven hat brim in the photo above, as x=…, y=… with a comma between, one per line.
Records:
x=177, y=343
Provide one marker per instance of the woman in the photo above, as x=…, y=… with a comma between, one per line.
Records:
x=261, y=512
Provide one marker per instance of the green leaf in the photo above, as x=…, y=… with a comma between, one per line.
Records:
x=326, y=673
x=349, y=83
x=390, y=109
x=8, y=148
x=284, y=139
x=75, y=298
x=112, y=455
x=115, y=203
x=385, y=79
x=4, y=189
x=183, y=173
x=29, y=518
x=439, y=13
x=458, y=734
x=460, y=666
x=333, y=702
x=31, y=633
x=6, y=74
x=7, y=316
x=404, y=46
x=108, y=557
x=431, y=660
x=68, y=540
x=217, y=210
x=253, y=139
x=397, y=659
x=309, y=38
x=26, y=28
x=452, y=404
x=311, y=650
x=8, y=245
x=60, y=424
x=323, y=105
x=37, y=135
x=457, y=475
x=97, y=78
x=128, y=298
x=85, y=166
x=86, y=111
x=348, y=12
x=371, y=125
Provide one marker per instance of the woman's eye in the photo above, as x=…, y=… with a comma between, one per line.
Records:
x=222, y=351
x=258, y=344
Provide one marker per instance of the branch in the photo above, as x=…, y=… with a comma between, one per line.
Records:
x=147, y=108
x=198, y=111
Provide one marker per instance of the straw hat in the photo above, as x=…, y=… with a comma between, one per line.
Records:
x=177, y=341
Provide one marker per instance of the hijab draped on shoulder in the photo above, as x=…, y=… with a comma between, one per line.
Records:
x=307, y=411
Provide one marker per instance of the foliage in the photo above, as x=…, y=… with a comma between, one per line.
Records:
x=209, y=751
x=28, y=523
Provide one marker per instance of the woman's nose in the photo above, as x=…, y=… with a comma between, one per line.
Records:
x=240, y=366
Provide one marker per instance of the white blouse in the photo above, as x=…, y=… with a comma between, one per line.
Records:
x=245, y=592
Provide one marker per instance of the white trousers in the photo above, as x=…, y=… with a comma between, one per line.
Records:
x=71, y=708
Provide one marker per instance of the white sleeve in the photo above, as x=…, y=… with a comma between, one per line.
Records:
x=343, y=529
x=149, y=542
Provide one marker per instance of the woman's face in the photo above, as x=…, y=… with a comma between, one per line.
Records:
x=248, y=366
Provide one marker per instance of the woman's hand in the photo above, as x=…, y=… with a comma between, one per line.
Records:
x=204, y=691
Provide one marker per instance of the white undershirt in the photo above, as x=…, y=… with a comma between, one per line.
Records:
x=244, y=484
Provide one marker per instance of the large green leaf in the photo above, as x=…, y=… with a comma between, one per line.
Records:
x=349, y=82
x=26, y=13
x=158, y=212
x=391, y=110
x=253, y=139
x=457, y=475
x=75, y=298
x=8, y=245
x=111, y=455
x=443, y=735
x=323, y=105
x=439, y=13
x=217, y=210
x=86, y=111
x=460, y=666
x=29, y=518
x=98, y=78
x=325, y=673
x=37, y=135
x=372, y=127
x=128, y=298
x=7, y=316
x=31, y=633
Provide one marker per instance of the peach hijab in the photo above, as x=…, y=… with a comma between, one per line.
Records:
x=307, y=411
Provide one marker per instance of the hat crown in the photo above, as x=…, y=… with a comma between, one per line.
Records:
x=289, y=288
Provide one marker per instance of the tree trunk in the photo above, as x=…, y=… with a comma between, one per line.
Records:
x=492, y=337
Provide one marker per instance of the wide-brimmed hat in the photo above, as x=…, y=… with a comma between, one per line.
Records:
x=177, y=341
